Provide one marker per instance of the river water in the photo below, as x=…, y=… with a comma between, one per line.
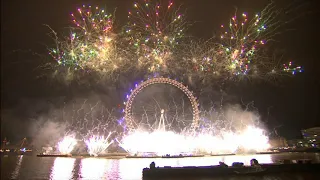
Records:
x=60, y=168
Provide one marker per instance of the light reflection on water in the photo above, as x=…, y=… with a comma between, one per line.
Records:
x=18, y=166
x=94, y=168
x=123, y=169
x=62, y=168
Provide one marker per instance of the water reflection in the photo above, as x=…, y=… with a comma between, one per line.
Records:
x=28, y=167
x=114, y=171
x=132, y=168
x=94, y=168
x=317, y=155
x=62, y=168
x=16, y=171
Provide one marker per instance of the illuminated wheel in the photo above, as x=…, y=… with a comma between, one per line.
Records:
x=135, y=93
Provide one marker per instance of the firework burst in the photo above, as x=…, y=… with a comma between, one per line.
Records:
x=91, y=47
x=67, y=144
x=158, y=44
x=168, y=142
x=98, y=144
x=217, y=132
x=155, y=30
x=240, y=50
x=243, y=39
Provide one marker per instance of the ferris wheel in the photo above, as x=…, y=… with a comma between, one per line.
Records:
x=165, y=111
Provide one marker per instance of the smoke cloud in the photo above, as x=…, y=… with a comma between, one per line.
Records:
x=230, y=117
x=46, y=122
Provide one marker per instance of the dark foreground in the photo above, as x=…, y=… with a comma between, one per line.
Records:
x=53, y=155
x=266, y=170
x=91, y=168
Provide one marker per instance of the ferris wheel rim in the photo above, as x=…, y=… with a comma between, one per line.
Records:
x=160, y=80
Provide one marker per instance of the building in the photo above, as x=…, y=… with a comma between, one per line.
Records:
x=311, y=137
x=296, y=143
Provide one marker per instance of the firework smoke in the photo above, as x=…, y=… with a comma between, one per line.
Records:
x=59, y=129
x=238, y=132
x=48, y=133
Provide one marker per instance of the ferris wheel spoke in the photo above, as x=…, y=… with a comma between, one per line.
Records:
x=172, y=113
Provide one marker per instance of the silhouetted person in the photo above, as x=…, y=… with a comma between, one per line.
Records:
x=254, y=162
x=152, y=165
x=222, y=164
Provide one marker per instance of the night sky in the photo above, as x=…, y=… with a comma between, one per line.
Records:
x=292, y=103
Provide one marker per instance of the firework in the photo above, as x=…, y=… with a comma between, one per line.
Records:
x=251, y=139
x=215, y=133
x=78, y=121
x=156, y=35
x=155, y=30
x=67, y=144
x=98, y=144
x=92, y=119
x=204, y=59
x=91, y=46
x=292, y=69
x=86, y=122
x=158, y=44
x=157, y=142
x=244, y=37
x=241, y=47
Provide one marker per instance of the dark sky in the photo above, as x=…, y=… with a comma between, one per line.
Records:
x=294, y=103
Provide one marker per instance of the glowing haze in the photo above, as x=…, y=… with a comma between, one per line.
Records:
x=252, y=139
x=67, y=144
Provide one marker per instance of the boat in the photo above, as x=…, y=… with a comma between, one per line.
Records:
x=181, y=156
x=166, y=156
x=54, y=155
x=172, y=156
x=168, y=172
x=251, y=170
x=229, y=154
x=143, y=156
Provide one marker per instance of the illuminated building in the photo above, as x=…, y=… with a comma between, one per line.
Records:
x=296, y=143
x=311, y=137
